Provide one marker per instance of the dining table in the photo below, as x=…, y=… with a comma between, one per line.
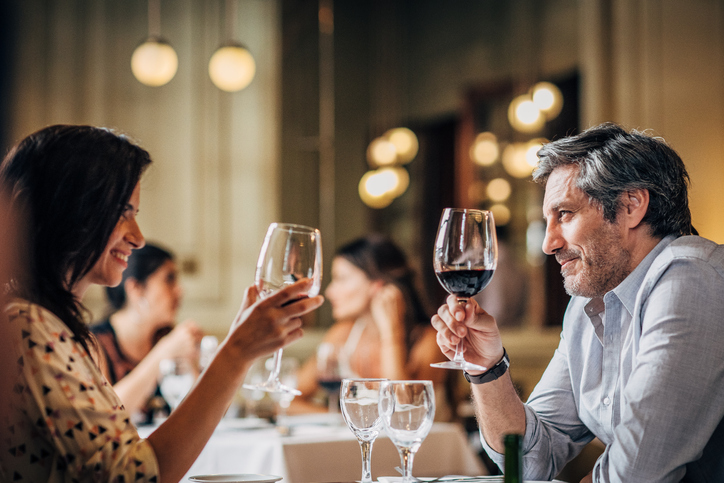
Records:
x=321, y=448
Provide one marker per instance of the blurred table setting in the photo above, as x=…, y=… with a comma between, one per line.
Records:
x=320, y=447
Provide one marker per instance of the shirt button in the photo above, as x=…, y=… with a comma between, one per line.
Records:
x=606, y=401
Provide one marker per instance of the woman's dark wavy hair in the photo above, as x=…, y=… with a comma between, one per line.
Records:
x=71, y=184
x=142, y=263
x=381, y=259
x=613, y=161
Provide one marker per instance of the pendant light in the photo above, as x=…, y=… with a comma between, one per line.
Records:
x=232, y=66
x=154, y=62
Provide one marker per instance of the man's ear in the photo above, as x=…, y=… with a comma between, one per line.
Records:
x=635, y=206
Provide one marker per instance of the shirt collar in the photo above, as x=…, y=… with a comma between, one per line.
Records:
x=627, y=290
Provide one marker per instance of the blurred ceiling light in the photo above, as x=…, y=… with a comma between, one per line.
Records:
x=548, y=98
x=381, y=152
x=485, y=149
x=405, y=143
x=232, y=66
x=375, y=190
x=154, y=62
x=515, y=162
x=501, y=214
x=524, y=115
x=498, y=189
x=402, y=179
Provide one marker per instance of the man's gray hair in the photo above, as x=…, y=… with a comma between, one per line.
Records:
x=613, y=161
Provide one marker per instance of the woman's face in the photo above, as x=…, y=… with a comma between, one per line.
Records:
x=163, y=293
x=126, y=236
x=350, y=291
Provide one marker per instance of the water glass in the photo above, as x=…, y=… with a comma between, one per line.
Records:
x=407, y=409
x=359, y=399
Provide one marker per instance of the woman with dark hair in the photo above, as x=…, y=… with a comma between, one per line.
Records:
x=140, y=333
x=78, y=189
x=382, y=328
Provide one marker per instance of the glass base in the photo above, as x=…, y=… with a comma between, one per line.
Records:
x=272, y=386
x=461, y=366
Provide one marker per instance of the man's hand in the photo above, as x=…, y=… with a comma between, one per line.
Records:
x=471, y=324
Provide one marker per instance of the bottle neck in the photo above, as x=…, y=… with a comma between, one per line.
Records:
x=513, y=469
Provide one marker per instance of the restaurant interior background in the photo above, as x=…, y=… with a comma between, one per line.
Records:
x=333, y=76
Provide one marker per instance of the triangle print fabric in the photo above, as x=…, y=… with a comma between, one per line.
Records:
x=65, y=424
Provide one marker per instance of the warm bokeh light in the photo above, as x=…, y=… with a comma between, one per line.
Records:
x=232, y=68
x=514, y=160
x=524, y=115
x=402, y=179
x=154, y=62
x=405, y=143
x=485, y=149
x=376, y=189
x=498, y=189
x=501, y=213
x=381, y=152
x=548, y=98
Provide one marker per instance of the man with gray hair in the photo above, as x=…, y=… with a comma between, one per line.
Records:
x=639, y=364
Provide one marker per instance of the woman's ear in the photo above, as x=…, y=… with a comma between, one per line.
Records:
x=135, y=290
x=375, y=286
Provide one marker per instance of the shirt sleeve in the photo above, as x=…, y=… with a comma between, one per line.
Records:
x=78, y=415
x=672, y=399
x=554, y=434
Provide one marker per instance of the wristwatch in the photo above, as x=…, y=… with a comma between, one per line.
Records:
x=491, y=374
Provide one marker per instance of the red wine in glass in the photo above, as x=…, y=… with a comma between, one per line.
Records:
x=465, y=258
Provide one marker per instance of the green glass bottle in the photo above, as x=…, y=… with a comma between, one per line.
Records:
x=513, y=472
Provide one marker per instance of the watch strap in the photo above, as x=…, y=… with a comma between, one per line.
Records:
x=491, y=374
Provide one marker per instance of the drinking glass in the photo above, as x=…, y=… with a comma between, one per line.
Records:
x=359, y=399
x=176, y=379
x=289, y=253
x=465, y=258
x=407, y=409
x=329, y=373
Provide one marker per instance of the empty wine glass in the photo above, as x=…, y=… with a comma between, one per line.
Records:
x=465, y=258
x=289, y=253
x=359, y=399
x=407, y=409
x=288, y=377
x=176, y=379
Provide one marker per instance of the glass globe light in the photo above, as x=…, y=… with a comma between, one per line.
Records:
x=405, y=142
x=232, y=68
x=524, y=115
x=154, y=62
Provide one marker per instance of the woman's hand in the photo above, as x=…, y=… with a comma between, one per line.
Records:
x=388, y=311
x=263, y=326
x=477, y=328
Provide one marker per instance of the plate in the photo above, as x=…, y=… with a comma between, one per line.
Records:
x=240, y=478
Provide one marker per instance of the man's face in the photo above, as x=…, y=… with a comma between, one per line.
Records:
x=590, y=249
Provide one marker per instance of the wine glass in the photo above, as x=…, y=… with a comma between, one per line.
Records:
x=359, y=399
x=465, y=258
x=289, y=253
x=329, y=374
x=407, y=409
x=176, y=379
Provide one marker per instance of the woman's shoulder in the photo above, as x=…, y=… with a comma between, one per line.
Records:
x=19, y=310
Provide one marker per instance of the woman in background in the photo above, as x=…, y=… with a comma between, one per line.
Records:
x=78, y=190
x=141, y=333
x=381, y=329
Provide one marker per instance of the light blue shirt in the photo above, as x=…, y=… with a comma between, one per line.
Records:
x=642, y=369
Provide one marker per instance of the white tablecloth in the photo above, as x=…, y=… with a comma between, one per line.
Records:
x=320, y=448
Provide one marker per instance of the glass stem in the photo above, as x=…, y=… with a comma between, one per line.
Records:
x=459, y=347
x=274, y=374
x=366, y=447
x=406, y=457
x=459, y=353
